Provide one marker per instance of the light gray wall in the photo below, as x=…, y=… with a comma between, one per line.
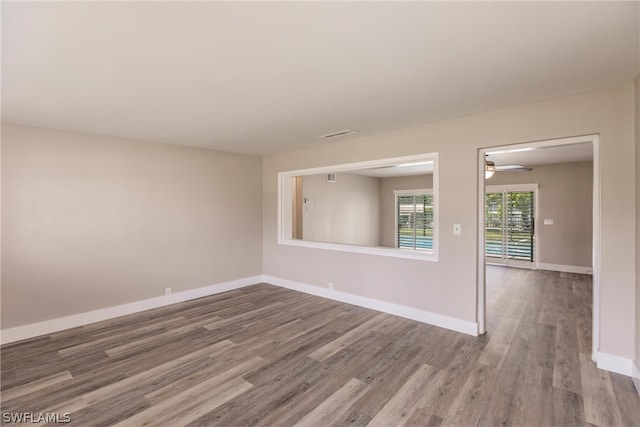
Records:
x=90, y=222
x=565, y=194
x=388, y=203
x=346, y=211
x=448, y=287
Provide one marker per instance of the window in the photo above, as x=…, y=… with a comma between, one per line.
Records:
x=414, y=219
x=355, y=211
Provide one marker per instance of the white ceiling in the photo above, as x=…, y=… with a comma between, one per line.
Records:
x=581, y=152
x=527, y=157
x=263, y=77
x=397, y=170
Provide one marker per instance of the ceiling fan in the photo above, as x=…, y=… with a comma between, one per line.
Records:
x=490, y=168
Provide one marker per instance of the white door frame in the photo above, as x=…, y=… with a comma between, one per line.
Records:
x=481, y=273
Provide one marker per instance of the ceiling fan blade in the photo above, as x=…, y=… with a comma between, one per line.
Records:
x=513, y=168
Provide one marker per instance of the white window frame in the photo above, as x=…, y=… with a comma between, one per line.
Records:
x=285, y=211
x=416, y=192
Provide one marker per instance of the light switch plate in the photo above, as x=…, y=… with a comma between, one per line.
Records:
x=548, y=222
x=457, y=229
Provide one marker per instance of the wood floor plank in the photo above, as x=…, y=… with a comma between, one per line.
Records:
x=109, y=411
x=194, y=381
x=188, y=404
x=97, y=344
x=167, y=368
x=143, y=358
x=345, y=364
x=290, y=354
x=515, y=383
x=338, y=344
x=146, y=326
x=568, y=408
x=499, y=343
x=19, y=372
x=384, y=385
x=70, y=406
x=37, y=401
x=397, y=411
x=422, y=418
x=600, y=407
x=627, y=399
x=455, y=376
x=332, y=409
x=36, y=385
x=473, y=397
x=543, y=351
x=566, y=366
x=440, y=356
x=188, y=407
x=246, y=316
x=118, y=349
x=296, y=376
x=243, y=358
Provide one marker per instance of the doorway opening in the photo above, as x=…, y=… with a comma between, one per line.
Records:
x=514, y=230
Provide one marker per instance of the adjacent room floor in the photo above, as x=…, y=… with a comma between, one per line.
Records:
x=263, y=355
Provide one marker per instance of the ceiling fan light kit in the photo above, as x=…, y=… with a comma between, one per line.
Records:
x=489, y=169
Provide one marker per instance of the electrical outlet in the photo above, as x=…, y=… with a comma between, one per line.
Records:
x=330, y=285
x=167, y=291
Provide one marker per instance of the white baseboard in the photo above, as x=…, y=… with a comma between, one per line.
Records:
x=48, y=326
x=635, y=374
x=617, y=364
x=565, y=268
x=469, y=328
x=606, y=361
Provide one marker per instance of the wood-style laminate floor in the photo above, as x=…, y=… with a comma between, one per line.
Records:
x=263, y=355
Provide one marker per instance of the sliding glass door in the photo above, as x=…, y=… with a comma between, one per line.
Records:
x=510, y=225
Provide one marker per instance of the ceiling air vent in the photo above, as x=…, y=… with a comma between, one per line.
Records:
x=339, y=134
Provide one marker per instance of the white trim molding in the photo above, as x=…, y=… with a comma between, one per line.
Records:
x=565, y=268
x=458, y=325
x=20, y=333
x=617, y=364
x=635, y=374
